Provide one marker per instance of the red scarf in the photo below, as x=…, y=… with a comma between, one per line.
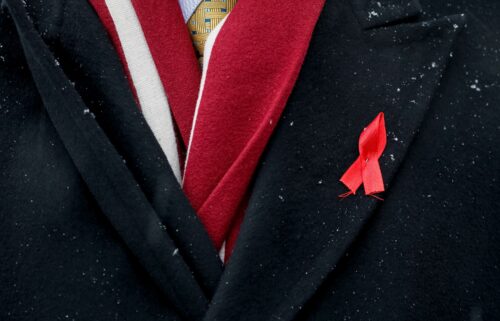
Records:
x=252, y=70
x=172, y=51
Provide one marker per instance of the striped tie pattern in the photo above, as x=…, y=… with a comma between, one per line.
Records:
x=206, y=17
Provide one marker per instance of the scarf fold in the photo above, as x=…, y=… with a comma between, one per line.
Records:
x=252, y=69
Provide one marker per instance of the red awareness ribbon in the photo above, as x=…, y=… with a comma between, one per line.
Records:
x=366, y=169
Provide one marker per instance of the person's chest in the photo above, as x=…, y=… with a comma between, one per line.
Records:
x=302, y=253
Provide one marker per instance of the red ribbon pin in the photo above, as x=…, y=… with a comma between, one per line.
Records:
x=366, y=169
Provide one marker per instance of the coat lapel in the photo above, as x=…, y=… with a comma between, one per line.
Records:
x=296, y=228
x=134, y=187
x=107, y=95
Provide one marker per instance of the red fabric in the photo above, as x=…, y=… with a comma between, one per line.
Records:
x=366, y=168
x=175, y=58
x=171, y=48
x=253, y=67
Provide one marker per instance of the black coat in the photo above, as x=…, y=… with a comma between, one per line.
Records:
x=93, y=225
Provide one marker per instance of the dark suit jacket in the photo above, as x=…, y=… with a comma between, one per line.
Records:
x=93, y=225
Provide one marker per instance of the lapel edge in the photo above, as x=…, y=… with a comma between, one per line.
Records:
x=147, y=239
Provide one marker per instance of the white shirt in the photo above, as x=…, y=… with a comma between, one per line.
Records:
x=188, y=7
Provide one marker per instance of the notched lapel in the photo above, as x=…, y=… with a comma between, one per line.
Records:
x=108, y=178
x=296, y=229
x=407, y=84
x=374, y=13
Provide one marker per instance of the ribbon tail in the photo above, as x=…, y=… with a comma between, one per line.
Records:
x=372, y=178
x=376, y=197
x=346, y=194
x=353, y=177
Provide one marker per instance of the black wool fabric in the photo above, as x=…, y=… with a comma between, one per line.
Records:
x=94, y=226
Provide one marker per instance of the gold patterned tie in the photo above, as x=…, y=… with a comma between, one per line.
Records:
x=206, y=17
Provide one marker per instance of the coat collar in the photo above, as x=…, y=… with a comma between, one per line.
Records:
x=118, y=157
x=296, y=229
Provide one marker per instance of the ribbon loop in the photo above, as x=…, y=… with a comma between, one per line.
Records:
x=366, y=168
